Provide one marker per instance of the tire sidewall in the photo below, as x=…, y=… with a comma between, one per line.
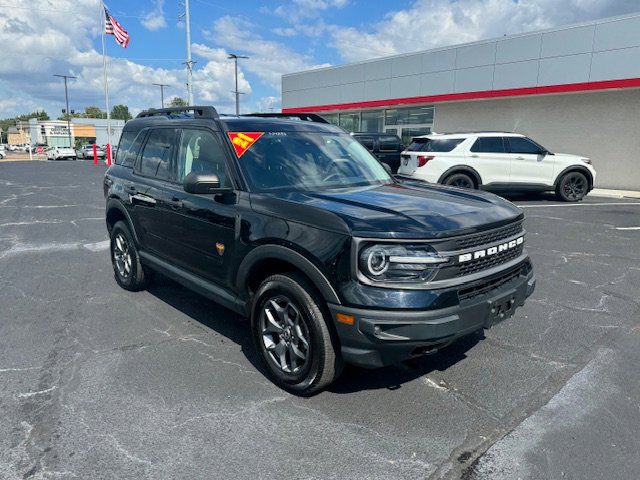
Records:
x=129, y=282
x=280, y=284
x=565, y=177
x=451, y=177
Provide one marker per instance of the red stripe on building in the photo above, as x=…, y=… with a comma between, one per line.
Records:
x=455, y=97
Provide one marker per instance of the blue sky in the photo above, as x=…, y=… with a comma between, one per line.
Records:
x=44, y=37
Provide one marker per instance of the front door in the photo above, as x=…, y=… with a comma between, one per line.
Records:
x=203, y=236
x=530, y=164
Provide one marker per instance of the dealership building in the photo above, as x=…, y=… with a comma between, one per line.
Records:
x=573, y=89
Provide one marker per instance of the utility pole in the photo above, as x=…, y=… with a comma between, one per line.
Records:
x=234, y=57
x=189, y=62
x=161, y=85
x=66, y=99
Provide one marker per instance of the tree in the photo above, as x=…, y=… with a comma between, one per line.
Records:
x=178, y=102
x=120, y=112
x=11, y=122
x=94, y=112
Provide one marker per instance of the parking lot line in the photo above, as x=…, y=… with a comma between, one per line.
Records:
x=578, y=204
x=627, y=228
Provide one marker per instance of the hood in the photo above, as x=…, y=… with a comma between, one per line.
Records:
x=401, y=210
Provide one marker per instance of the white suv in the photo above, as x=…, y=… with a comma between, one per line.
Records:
x=496, y=161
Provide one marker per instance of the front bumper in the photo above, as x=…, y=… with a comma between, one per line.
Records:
x=384, y=337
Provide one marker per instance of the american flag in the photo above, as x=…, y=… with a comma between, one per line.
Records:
x=112, y=27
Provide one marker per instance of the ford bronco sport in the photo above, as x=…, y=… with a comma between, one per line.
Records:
x=290, y=221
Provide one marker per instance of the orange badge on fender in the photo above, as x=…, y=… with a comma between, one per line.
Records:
x=242, y=141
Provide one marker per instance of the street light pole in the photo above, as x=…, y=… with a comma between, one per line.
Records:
x=66, y=99
x=189, y=62
x=161, y=85
x=235, y=58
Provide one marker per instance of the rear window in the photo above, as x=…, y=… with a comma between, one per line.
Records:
x=128, y=148
x=434, y=144
x=367, y=142
x=489, y=145
x=389, y=143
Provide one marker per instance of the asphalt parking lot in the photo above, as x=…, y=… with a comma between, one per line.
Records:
x=100, y=383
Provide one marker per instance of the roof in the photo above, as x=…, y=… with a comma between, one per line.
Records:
x=469, y=134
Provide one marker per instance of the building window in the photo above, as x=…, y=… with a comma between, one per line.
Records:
x=372, y=121
x=350, y=121
x=409, y=115
x=330, y=117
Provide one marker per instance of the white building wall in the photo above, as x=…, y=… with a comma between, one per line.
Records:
x=604, y=126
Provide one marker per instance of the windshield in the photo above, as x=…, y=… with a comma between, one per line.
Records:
x=310, y=161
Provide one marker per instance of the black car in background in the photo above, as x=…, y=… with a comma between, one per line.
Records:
x=293, y=223
x=384, y=146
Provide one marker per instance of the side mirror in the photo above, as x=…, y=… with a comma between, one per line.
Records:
x=202, y=183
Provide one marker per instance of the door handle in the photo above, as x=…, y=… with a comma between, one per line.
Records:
x=138, y=197
x=519, y=158
x=176, y=203
x=474, y=156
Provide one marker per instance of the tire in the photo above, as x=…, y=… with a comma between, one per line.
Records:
x=128, y=271
x=572, y=187
x=460, y=180
x=300, y=330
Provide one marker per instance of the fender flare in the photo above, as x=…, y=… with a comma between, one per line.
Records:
x=577, y=168
x=285, y=254
x=462, y=169
x=114, y=203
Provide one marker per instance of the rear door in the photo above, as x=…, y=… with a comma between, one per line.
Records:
x=490, y=158
x=151, y=194
x=530, y=163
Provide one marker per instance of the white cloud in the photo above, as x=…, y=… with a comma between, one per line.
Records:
x=269, y=60
x=60, y=42
x=154, y=20
x=296, y=10
x=432, y=23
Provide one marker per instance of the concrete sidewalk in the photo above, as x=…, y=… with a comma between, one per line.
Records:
x=603, y=192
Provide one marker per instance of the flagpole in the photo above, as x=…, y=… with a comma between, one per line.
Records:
x=106, y=78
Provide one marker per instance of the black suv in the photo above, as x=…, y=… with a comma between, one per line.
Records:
x=292, y=222
x=385, y=147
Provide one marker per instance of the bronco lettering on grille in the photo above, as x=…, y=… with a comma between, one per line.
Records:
x=487, y=252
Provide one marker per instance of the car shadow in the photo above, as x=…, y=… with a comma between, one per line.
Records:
x=236, y=328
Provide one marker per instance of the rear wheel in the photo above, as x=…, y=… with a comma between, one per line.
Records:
x=460, y=180
x=127, y=268
x=572, y=187
x=293, y=335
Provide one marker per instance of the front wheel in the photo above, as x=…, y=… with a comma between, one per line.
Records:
x=293, y=335
x=460, y=180
x=572, y=187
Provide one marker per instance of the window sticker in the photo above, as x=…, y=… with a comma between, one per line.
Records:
x=242, y=141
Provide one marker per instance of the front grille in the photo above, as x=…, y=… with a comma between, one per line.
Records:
x=488, y=262
x=492, y=236
x=493, y=284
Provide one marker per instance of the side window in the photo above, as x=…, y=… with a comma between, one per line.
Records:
x=129, y=146
x=488, y=145
x=523, y=145
x=201, y=152
x=367, y=142
x=389, y=144
x=156, y=157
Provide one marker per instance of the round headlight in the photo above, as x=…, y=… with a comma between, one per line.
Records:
x=377, y=261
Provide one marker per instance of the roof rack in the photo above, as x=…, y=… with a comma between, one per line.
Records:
x=198, y=112
x=307, y=117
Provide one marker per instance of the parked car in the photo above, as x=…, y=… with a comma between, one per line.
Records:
x=384, y=146
x=497, y=161
x=60, y=153
x=2, y=154
x=292, y=223
x=86, y=151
